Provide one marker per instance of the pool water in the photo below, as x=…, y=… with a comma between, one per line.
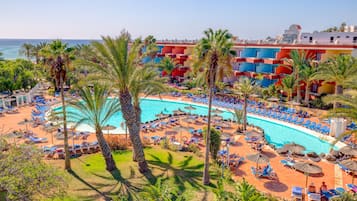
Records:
x=275, y=134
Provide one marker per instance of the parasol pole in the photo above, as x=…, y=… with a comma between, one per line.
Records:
x=353, y=176
x=307, y=176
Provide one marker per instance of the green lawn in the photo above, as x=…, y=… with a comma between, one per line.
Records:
x=90, y=181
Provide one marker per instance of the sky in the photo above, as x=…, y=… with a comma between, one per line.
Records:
x=168, y=19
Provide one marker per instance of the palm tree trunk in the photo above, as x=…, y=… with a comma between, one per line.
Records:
x=206, y=176
x=211, y=82
x=307, y=93
x=298, y=90
x=138, y=122
x=338, y=91
x=245, y=113
x=67, y=163
x=106, y=152
x=134, y=130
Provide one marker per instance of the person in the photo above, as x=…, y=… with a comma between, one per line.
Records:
x=323, y=187
x=312, y=188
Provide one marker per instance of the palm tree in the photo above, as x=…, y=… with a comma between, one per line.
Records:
x=245, y=87
x=161, y=191
x=238, y=116
x=220, y=192
x=341, y=69
x=213, y=54
x=26, y=50
x=166, y=64
x=95, y=110
x=298, y=61
x=58, y=57
x=247, y=192
x=307, y=75
x=348, y=99
x=36, y=51
x=288, y=83
x=122, y=66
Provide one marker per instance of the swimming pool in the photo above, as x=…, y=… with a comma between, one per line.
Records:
x=275, y=133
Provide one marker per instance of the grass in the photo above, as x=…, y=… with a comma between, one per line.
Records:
x=89, y=180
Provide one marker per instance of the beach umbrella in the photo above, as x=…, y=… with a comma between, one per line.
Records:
x=351, y=165
x=170, y=132
x=348, y=150
x=222, y=124
x=253, y=133
x=225, y=136
x=181, y=129
x=273, y=99
x=294, y=148
x=161, y=115
x=189, y=120
x=178, y=112
x=258, y=158
x=109, y=128
x=217, y=117
x=217, y=111
x=190, y=107
x=307, y=168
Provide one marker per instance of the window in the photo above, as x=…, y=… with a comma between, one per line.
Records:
x=331, y=39
x=338, y=37
x=310, y=39
x=355, y=39
x=347, y=36
x=305, y=36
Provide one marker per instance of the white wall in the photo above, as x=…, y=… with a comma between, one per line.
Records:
x=325, y=37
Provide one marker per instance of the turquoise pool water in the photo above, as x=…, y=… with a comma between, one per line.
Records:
x=275, y=134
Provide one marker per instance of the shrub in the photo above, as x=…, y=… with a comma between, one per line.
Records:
x=164, y=143
x=215, y=141
x=193, y=148
x=174, y=147
x=117, y=143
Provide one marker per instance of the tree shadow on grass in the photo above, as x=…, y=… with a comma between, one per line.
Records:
x=75, y=175
x=125, y=187
x=181, y=174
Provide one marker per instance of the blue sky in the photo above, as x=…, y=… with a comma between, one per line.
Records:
x=181, y=19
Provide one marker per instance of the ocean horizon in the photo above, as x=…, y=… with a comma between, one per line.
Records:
x=10, y=48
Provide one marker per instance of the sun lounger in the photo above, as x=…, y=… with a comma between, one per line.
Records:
x=297, y=193
x=37, y=139
x=267, y=172
x=344, y=168
x=288, y=163
x=352, y=187
x=314, y=196
x=330, y=194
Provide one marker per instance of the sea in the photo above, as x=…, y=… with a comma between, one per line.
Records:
x=10, y=48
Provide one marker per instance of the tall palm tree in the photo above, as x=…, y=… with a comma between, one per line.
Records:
x=36, y=51
x=58, y=57
x=95, y=110
x=298, y=61
x=288, y=83
x=26, y=50
x=122, y=66
x=245, y=87
x=341, y=69
x=348, y=99
x=167, y=64
x=213, y=54
x=307, y=75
